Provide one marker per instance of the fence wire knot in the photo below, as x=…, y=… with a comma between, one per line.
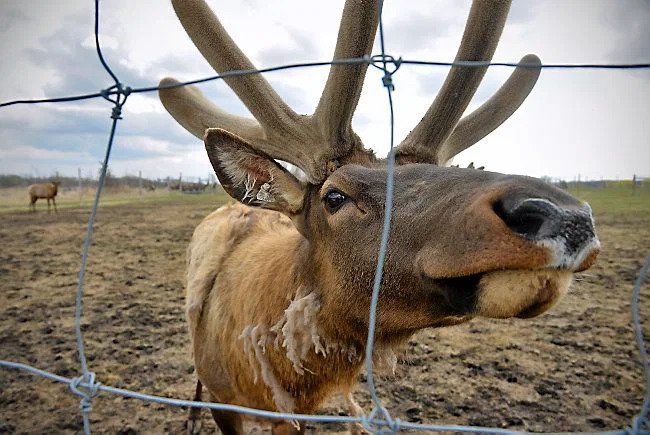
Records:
x=381, y=61
x=85, y=387
x=121, y=93
x=116, y=112
x=379, y=421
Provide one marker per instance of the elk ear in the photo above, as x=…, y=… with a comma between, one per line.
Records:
x=250, y=176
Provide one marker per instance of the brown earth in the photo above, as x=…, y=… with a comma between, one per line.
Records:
x=573, y=369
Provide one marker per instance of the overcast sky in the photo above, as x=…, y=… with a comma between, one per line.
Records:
x=589, y=122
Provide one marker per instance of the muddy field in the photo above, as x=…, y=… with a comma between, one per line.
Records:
x=573, y=369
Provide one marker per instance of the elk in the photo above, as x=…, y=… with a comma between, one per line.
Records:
x=194, y=187
x=279, y=284
x=43, y=190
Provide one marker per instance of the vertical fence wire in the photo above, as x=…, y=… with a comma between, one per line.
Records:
x=379, y=419
x=381, y=257
x=641, y=421
x=90, y=387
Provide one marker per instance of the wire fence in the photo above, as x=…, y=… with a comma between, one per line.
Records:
x=379, y=419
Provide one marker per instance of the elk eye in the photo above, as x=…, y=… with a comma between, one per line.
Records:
x=334, y=200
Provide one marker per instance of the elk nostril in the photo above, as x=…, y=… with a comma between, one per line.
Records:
x=533, y=217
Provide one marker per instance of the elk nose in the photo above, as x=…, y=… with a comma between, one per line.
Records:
x=533, y=218
x=570, y=230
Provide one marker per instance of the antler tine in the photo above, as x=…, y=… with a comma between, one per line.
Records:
x=494, y=111
x=482, y=32
x=344, y=83
x=315, y=144
x=224, y=55
x=189, y=107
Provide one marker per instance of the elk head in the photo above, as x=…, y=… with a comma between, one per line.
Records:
x=463, y=242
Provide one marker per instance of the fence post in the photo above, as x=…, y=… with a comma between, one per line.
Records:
x=180, y=182
x=80, y=187
x=140, y=183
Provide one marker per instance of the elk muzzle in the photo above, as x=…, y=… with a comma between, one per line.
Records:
x=568, y=234
x=519, y=258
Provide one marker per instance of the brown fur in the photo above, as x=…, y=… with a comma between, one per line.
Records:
x=261, y=244
x=43, y=190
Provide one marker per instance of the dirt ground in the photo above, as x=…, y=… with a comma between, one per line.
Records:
x=574, y=369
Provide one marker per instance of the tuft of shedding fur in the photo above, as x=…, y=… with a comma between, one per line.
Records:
x=385, y=360
x=298, y=330
x=256, y=339
x=348, y=349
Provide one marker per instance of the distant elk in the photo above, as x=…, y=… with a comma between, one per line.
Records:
x=279, y=286
x=187, y=186
x=194, y=187
x=43, y=190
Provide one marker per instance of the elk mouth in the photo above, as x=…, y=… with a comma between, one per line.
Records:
x=502, y=293
x=458, y=294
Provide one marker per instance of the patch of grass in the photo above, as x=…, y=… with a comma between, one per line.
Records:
x=15, y=200
x=622, y=200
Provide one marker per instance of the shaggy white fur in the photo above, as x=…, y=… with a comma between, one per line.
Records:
x=255, y=339
x=298, y=330
x=385, y=360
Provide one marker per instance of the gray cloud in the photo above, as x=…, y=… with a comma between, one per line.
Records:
x=179, y=65
x=10, y=18
x=430, y=80
x=301, y=48
x=521, y=11
x=294, y=96
x=631, y=22
x=83, y=127
x=76, y=69
x=416, y=31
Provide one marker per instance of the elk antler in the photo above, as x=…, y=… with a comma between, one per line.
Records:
x=439, y=136
x=309, y=142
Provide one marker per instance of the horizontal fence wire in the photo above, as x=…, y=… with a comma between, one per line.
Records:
x=379, y=420
x=370, y=60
